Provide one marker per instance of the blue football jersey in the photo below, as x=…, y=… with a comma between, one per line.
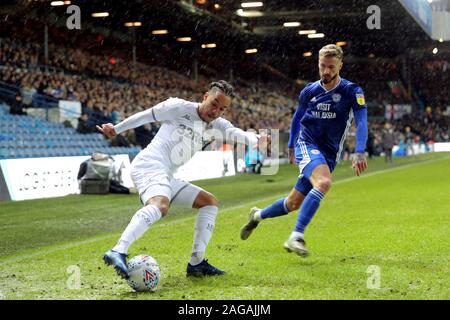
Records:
x=326, y=116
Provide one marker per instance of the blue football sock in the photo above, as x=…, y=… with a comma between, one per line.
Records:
x=276, y=209
x=308, y=209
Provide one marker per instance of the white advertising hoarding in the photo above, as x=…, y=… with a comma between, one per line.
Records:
x=50, y=177
x=37, y=178
x=442, y=147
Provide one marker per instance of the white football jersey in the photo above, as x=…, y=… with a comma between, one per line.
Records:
x=182, y=133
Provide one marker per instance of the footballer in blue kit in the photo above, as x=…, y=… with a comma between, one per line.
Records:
x=324, y=115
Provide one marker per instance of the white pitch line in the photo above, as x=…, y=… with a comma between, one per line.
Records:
x=101, y=238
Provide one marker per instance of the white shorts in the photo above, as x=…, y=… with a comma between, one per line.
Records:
x=155, y=181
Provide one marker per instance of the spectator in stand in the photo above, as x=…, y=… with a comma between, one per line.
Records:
x=371, y=144
x=83, y=124
x=17, y=106
x=27, y=92
x=388, y=141
x=409, y=137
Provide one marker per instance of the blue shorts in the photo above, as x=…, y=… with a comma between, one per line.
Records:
x=308, y=157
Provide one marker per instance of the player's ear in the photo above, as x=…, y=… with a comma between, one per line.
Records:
x=205, y=96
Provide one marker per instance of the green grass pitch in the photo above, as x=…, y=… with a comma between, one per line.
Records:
x=384, y=235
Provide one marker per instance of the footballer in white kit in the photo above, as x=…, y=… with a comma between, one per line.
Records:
x=187, y=127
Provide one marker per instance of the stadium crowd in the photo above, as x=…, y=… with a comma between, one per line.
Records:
x=429, y=80
x=420, y=128
x=111, y=89
x=115, y=90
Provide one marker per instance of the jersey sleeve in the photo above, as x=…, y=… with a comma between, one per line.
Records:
x=360, y=112
x=163, y=111
x=230, y=132
x=167, y=110
x=298, y=115
x=357, y=97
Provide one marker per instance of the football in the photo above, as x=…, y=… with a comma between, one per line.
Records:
x=144, y=273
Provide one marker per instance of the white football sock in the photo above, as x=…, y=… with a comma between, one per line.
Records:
x=204, y=227
x=295, y=235
x=257, y=216
x=139, y=224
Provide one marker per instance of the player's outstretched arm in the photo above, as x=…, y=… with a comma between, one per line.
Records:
x=163, y=111
x=132, y=122
x=232, y=133
x=249, y=138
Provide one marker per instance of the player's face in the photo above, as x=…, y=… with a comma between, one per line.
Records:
x=214, y=105
x=329, y=68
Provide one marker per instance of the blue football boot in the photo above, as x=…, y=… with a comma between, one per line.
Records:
x=203, y=269
x=119, y=261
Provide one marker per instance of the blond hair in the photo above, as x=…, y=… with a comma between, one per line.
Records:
x=332, y=50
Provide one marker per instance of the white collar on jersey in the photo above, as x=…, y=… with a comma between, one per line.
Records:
x=326, y=91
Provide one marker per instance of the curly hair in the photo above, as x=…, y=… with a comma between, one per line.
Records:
x=223, y=86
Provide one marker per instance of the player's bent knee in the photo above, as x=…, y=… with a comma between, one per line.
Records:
x=162, y=203
x=324, y=185
x=210, y=200
x=164, y=208
x=213, y=201
x=205, y=199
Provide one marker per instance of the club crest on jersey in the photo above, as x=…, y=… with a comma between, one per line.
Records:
x=360, y=99
x=315, y=151
x=337, y=97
